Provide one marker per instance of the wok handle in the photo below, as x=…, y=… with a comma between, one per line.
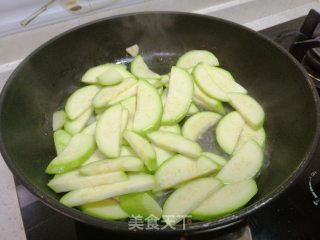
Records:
x=310, y=24
x=298, y=49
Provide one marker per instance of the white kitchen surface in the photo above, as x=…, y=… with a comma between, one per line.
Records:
x=18, y=43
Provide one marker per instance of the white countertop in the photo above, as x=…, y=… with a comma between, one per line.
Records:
x=256, y=14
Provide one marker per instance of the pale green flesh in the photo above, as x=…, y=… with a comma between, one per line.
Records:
x=199, y=123
x=79, y=123
x=73, y=180
x=249, y=109
x=105, y=209
x=226, y=200
x=249, y=133
x=175, y=143
x=135, y=183
x=132, y=91
x=205, y=83
x=171, y=128
x=90, y=129
x=107, y=94
x=124, y=120
x=225, y=73
x=110, y=77
x=113, y=75
x=204, y=101
x=96, y=156
x=164, y=97
x=142, y=148
x=140, y=69
x=80, y=101
x=223, y=82
x=126, y=151
x=180, y=204
x=108, y=131
x=61, y=140
x=79, y=149
x=190, y=70
x=140, y=204
x=91, y=75
x=179, y=96
x=216, y=158
x=58, y=120
x=245, y=164
x=165, y=79
x=193, y=109
x=126, y=164
x=162, y=155
x=179, y=169
x=149, y=108
x=130, y=105
x=228, y=131
x=160, y=90
x=192, y=58
x=133, y=50
x=154, y=82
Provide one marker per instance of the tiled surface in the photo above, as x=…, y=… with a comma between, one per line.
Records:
x=246, y=12
x=11, y=226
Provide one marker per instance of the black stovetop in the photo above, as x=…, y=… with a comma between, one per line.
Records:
x=293, y=215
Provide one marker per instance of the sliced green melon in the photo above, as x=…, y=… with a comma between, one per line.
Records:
x=79, y=149
x=226, y=200
x=140, y=69
x=216, y=158
x=130, y=105
x=171, y=128
x=125, y=164
x=188, y=197
x=228, y=131
x=96, y=156
x=192, y=58
x=58, y=120
x=142, y=148
x=207, y=85
x=108, y=131
x=108, y=209
x=245, y=164
x=198, y=124
x=179, y=97
x=91, y=75
x=224, y=82
x=107, y=94
x=130, y=92
x=149, y=108
x=249, y=109
x=204, y=101
x=73, y=180
x=61, y=140
x=249, y=133
x=80, y=101
x=136, y=183
x=175, y=143
x=179, y=169
x=76, y=125
x=140, y=204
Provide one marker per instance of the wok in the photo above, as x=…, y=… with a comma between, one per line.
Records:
x=43, y=81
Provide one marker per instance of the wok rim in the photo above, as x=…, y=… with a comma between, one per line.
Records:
x=199, y=226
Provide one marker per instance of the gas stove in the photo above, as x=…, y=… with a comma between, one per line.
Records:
x=293, y=215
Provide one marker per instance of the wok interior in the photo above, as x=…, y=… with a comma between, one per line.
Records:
x=41, y=85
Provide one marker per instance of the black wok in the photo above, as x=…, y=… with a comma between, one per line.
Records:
x=43, y=81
